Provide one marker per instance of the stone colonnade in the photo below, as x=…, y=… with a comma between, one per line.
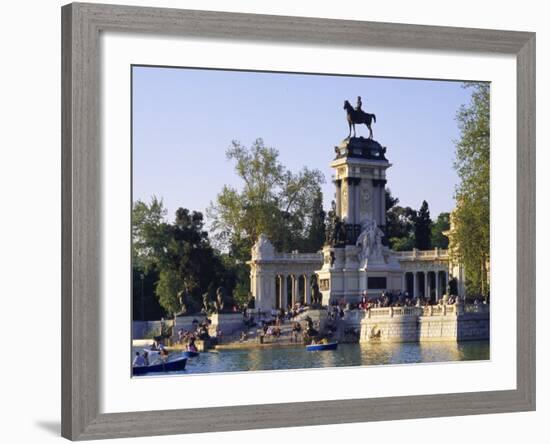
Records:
x=292, y=288
x=425, y=273
x=280, y=280
x=430, y=284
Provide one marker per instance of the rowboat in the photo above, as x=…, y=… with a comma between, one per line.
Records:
x=321, y=347
x=168, y=366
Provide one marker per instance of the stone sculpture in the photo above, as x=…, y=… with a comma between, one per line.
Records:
x=357, y=115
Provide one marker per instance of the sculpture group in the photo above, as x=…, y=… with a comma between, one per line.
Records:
x=370, y=240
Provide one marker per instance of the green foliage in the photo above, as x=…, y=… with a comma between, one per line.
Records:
x=241, y=294
x=150, y=233
x=400, y=226
x=402, y=243
x=471, y=237
x=286, y=206
x=316, y=232
x=169, y=285
x=407, y=228
x=179, y=253
x=441, y=225
x=423, y=228
x=390, y=200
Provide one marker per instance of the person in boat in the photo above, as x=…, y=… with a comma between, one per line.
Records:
x=146, y=357
x=163, y=351
x=191, y=347
x=138, y=360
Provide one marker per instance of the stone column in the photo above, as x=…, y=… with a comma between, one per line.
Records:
x=404, y=282
x=351, y=193
x=272, y=291
x=426, y=295
x=357, y=201
x=437, y=279
x=382, y=199
x=284, y=292
x=446, y=281
x=258, y=285
x=338, y=183
x=375, y=200
x=308, y=289
x=415, y=284
x=294, y=289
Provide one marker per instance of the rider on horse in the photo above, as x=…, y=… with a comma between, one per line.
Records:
x=358, y=116
x=359, y=104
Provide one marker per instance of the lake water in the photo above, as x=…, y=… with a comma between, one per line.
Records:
x=346, y=355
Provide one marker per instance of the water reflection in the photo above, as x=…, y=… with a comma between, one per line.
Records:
x=346, y=355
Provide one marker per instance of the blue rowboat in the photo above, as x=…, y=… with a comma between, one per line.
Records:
x=168, y=366
x=190, y=354
x=320, y=347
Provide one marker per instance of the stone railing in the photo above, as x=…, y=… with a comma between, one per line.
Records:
x=422, y=254
x=393, y=312
x=316, y=257
x=428, y=310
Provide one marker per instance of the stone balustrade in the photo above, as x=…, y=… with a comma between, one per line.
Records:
x=296, y=256
x=429, y=255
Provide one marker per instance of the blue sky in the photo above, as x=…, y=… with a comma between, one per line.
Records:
x=184, y=120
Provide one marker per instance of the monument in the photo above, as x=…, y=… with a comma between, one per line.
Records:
x=355, y=261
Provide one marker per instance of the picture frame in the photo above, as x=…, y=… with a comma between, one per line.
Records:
x=81, y=240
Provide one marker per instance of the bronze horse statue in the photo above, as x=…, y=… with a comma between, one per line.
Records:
x=358, y=116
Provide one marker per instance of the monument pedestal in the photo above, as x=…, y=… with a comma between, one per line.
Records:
x=356, y=263
x=346, y=278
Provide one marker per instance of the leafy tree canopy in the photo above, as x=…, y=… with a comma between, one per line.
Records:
x=470, y=240
x=440, y=226
x=286, y=206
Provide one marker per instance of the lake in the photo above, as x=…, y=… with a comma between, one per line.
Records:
x=346, y=355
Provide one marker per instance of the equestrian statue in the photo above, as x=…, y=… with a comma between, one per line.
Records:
x=358, y=116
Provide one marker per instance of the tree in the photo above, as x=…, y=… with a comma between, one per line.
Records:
x=470, y=236
x=441, y=225
x=274, y=201
x=150, y=233
x=402, y=243
x=317, y=227
x=168, y=287
x=178, y=254
x=390, y=200
x=399, y=224
x=423, y=228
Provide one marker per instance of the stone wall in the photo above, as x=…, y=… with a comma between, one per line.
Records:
x=413, y=324
x=228, y=323
x=473, y=326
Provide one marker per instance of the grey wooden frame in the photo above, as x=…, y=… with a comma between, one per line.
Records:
x=81, y=168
